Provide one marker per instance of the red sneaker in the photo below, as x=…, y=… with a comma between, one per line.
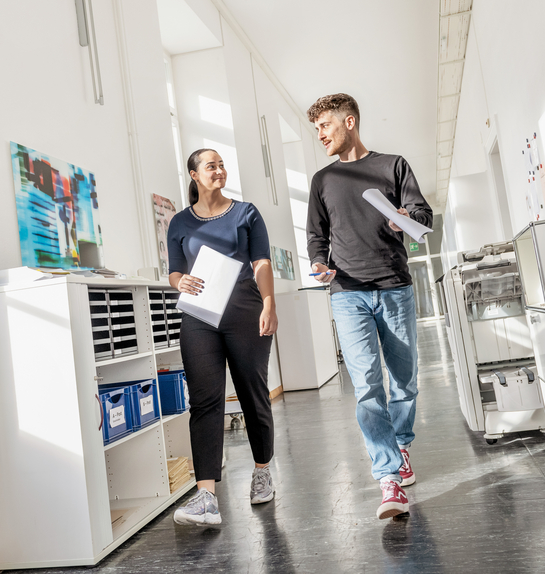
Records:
x=394, y=500
x=406, y=472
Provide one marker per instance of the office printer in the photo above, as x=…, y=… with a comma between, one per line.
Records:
x=496, y=375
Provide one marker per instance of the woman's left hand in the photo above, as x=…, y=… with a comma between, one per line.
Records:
x=268, y=322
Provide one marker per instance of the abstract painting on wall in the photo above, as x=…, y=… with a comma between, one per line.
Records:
x=164, y=210
x=57, y=210
x=282, y=263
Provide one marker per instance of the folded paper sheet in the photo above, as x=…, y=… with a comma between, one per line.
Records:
x=219, y=273
x=410, y=226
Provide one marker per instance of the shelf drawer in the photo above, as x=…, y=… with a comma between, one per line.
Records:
x=160, y=342
x=103, y=352
x=120, y=295
x=97, y=295
x=101, y=336
x=174, y=339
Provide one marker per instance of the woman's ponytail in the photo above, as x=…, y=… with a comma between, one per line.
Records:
x=193, y=192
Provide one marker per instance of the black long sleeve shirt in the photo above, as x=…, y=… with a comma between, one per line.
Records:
x=349, y=235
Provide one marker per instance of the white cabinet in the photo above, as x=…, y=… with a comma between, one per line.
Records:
x=60, y=487
x=306, y=344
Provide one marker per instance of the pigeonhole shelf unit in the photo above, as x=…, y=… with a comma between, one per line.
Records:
x=165, y=317
x=66, y=498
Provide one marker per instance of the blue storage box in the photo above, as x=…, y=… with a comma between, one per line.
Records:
x=144, y=401
x=145, y=404
x=173, y=391
x=116, y=405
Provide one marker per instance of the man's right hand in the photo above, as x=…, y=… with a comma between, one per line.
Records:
x=322, y=270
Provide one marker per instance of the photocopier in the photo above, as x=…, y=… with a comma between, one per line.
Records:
x=499, y=387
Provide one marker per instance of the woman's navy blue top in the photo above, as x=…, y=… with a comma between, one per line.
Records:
x=239, y=232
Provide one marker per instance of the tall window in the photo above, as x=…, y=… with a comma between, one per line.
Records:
x=175, y=127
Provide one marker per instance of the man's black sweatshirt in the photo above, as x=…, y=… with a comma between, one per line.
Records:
x=348, y=234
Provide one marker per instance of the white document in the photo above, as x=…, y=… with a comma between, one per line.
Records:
x=410, y=226
x=219, y=273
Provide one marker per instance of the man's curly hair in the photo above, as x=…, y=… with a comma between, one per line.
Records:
x=339, y=104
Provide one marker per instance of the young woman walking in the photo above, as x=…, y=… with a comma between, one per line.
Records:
x=243, y=337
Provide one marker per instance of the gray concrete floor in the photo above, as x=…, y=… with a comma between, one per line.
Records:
x=474, y=508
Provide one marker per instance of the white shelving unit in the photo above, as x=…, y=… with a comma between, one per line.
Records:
x=60, y=487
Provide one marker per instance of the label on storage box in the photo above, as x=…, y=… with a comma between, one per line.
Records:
x=146, y=405
x=117, y=416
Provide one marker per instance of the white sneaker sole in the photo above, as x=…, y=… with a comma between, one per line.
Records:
x=208, y=518
x=258, y=500
x=409, y=481
x=391, y=509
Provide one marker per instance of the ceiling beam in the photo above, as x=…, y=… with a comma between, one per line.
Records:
x=455, y=14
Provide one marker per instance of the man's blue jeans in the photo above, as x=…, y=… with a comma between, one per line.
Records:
x=361, y=318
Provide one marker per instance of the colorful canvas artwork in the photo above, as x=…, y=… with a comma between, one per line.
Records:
x=57, y=210
x=282, y=263
x=164, y=210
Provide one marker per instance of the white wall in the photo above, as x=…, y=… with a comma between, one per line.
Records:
x=299, y=186
x=469, y=152
x=473, y=200
x=253, y=95
x=504, y=85
x=449, y=246
x=244, y=97
x=269, y=104
x=204, y=110
x=47, y=104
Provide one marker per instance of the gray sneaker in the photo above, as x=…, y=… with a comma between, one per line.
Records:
x=262, y=489
x=200, y=509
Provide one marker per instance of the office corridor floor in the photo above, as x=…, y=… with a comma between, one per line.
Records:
x=475, y=508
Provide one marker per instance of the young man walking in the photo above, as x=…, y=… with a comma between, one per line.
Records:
x=354, y=247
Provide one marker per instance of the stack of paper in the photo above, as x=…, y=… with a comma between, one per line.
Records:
x=410, y=226
x=178, y=472
x=105, y=272
x=219, y=273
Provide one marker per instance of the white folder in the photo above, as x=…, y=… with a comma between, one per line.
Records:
x=220, y=274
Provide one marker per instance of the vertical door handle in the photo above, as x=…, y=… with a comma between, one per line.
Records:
x=101, y=412
x=267, y=158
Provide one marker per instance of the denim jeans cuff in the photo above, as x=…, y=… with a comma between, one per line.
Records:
x=394, y=477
